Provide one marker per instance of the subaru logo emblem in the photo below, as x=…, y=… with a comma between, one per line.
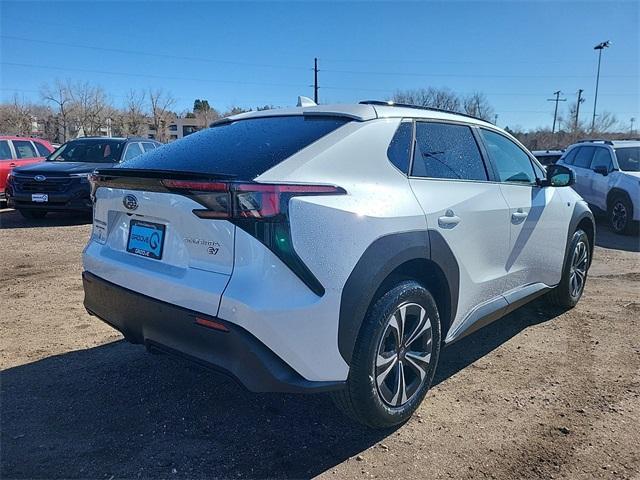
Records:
x=130, y=202
x=39, y=178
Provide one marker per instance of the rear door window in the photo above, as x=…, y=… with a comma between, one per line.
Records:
x=5, y=150
x=241, y=149
x=570, y=156
x=447, y=151
x=24, y=149
x=584, y=157
x=148, y=146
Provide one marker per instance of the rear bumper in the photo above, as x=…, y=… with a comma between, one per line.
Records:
x=171, y=329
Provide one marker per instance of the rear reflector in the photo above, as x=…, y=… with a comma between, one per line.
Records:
x=211, y=324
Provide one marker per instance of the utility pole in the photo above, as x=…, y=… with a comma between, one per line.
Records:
x=599, y=47
x=495, y=119
x=631, y=127
x=580, y=100
x=315, y=80
x=555, y=113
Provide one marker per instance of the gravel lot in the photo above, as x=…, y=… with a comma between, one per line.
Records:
x=538, y=394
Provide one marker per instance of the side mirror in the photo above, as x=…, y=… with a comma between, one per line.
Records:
x=601, y=169
x=559, y=176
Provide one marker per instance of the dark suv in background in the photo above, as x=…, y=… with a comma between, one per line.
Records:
x=61, y=182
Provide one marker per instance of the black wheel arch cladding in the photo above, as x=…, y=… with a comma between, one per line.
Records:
x=380, y=260
x=581, y=214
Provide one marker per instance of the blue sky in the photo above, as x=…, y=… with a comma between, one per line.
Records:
x=250, y=54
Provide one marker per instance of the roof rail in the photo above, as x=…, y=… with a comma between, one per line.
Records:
x=418, y=107
x=594, y=140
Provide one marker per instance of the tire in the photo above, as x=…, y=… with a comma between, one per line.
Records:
x=620, y=215
x=33, y=214
x=567, y=293
x=374, y=395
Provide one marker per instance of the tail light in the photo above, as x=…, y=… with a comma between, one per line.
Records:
x=262, y=210
x=245, y=200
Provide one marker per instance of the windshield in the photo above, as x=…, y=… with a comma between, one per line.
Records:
x=629, y=158
x=94, y=151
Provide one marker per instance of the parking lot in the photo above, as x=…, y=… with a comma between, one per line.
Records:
x=540, y=394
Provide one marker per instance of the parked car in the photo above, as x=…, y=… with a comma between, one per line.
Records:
x=332, y=252
x=608, y=178
x=547, y=157
x=19, y=151
x=61, y=183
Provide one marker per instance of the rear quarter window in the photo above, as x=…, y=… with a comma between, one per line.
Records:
x=399, y=151
x=242, y=149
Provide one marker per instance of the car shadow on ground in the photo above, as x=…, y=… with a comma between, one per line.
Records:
x=10, y=218
x=115, y=410
x=606, y=238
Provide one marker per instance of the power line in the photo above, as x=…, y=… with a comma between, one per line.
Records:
x=462, y=75
x=146, y=75
x=152, y=54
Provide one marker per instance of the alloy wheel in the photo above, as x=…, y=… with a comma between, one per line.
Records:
x=579, y=265
x=404, y=354
x=619, y=216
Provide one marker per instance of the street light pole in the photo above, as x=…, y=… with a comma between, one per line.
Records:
x=599, y=47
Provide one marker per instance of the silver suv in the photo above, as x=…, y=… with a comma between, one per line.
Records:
x=608, y=178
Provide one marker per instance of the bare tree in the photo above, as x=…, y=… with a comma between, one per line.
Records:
x=133, y=118
x=59, y=94
x=605, y=122
x=90, y=107
x=442, y=98
x=161, y=114
x=477, y=105
x=16, y=117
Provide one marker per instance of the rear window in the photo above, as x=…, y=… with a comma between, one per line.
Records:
x=42, y=150
x=242, y=149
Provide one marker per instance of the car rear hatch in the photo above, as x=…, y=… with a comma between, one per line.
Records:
x=147, y=238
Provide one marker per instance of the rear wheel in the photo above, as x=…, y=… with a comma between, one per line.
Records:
x=33, y=214
x=620, y=215
x=574, y=276
x=394, y=358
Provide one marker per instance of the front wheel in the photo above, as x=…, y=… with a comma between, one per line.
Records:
x=394, y=358
x=574, y=275
x=33, y=214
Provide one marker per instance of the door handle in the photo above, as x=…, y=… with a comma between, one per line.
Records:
x=12, y=164
x=519, y=215
x=448, y=220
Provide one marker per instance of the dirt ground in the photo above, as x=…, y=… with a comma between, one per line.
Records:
x=538, y=394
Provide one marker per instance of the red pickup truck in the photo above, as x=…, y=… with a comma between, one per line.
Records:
x=18, y=151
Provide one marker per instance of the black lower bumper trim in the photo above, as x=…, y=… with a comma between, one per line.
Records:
x=171, y=329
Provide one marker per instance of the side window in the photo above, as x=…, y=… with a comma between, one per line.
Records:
x=24, y=149
x=42, y=150
x=5, y=150
x=511, y=162
x=570, y=156
x=133, y=150
x=447, y=151
x=399, y=149
x=602, y=158
x=148, y=146
x=584, y=157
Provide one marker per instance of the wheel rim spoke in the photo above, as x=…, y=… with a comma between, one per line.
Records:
x=385, y=365
x=416, y=360
x=400, y=392
x=424, y=324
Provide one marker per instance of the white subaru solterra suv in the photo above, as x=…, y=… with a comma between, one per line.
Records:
x=332, y=248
